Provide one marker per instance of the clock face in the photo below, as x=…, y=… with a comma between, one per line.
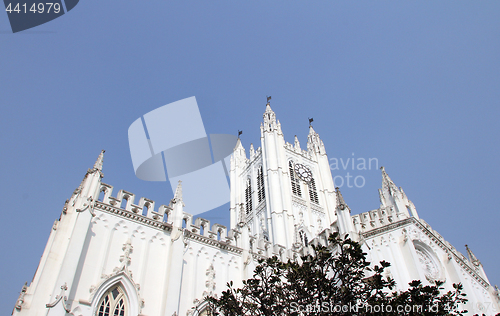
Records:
x=303, y=172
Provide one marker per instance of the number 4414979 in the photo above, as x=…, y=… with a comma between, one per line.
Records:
x=35, y=8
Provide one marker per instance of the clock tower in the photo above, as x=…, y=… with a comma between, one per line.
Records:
x=281, y=194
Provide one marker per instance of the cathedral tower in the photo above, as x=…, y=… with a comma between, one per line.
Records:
x=281, y=193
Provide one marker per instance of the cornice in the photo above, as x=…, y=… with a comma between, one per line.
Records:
x=212, y=242
x=138, y=218
x=451, y=251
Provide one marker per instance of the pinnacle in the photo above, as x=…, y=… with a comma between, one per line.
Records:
x=387, y=182
x=99, y=161
x=238, y=145
x=341, y=204
x=178, y=191
x=472, y=257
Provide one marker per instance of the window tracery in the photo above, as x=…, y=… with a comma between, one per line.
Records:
x=113, y=303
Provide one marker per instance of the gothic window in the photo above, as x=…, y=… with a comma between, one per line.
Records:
x=260, y=184
x=313, y=194
x=294, y=180
x=248, y=196
x=113, y=303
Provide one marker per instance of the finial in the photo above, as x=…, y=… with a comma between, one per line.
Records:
x=310, y=121
x=268, y=99
x=98, y=163
x=239, y=133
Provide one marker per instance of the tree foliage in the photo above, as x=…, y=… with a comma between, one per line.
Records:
x=334, y=280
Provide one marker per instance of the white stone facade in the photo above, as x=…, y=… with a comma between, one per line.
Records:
x=106, y=254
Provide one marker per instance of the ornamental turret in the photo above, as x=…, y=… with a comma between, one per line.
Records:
x=395, y=198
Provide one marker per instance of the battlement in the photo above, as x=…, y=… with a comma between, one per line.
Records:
x=302, y=152
x=124, y=205
x=376, y=218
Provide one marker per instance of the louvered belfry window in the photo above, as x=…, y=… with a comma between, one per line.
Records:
x=248, y=196
x=113, y=303
x=295, y=182
x=260, y=184
x=313, y=194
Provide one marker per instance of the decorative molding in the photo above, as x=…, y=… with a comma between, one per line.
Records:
x=427, y=231
x=299, y=201
x=88, y=205
x=60, y=297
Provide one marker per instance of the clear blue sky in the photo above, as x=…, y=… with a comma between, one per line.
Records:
x=414, y=84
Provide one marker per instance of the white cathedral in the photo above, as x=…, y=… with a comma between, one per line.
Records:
x=104, y=257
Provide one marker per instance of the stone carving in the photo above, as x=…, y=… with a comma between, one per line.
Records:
x=20, y=300
x=429, y=266
x=210, y=282
x=60, y=297
x=125, y=258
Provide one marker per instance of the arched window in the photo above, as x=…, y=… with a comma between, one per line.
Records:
x=248, y=196
x=260, y=184
x=295, y=181
x=113, y=303
x=313, y=194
